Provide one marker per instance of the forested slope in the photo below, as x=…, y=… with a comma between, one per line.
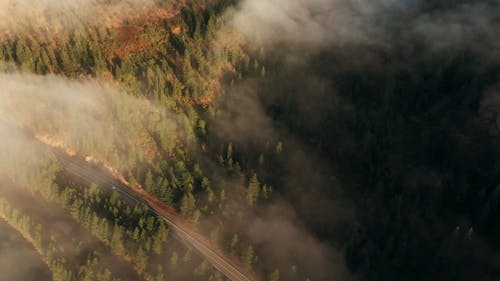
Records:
x=321, y=140
x=174, y=59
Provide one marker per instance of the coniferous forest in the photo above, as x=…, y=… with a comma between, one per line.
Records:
x=263, y=140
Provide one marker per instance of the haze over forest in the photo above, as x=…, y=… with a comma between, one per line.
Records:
x=274, y=140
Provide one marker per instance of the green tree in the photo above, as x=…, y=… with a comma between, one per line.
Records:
x=253, y=190
x=248, y=256
x=188, y=204
x=149, y=182
x=174, y=260
x=117, y=240
x=275, y=275
x=160, y=276
x=141, y=259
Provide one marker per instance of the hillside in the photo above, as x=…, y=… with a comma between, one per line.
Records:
x=252, y=140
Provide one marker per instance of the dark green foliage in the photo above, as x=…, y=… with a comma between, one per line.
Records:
x=172, y=70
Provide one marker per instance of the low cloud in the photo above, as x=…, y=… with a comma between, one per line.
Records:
x=313, y=24
x=284, y=241
x=316, y=22
x=328, y=46
x=60, y=15
x=89, y=117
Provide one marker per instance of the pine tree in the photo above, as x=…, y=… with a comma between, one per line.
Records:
x=149, y=182
x=160, y=276
x=248, y=256
x=174, y=259
x=253, y=190
x=157, y=244
x=234, y=243
x=116, y=240
x=275, y=276
x=136, y=234
x=141, y=259
x=188, y=204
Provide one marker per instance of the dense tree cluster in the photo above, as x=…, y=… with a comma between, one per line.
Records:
x=177, y=64
x=50, y=249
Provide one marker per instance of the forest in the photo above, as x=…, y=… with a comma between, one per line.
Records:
x=290, y=140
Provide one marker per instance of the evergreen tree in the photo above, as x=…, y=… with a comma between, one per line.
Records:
x=275, y=275
x=253, y=190
x=117, y=240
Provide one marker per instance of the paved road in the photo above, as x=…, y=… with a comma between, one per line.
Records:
x=184, y=230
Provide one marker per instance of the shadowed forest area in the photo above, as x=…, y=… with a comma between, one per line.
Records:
x=307, y=140
x=14, y=247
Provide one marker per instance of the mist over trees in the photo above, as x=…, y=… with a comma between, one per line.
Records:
x=395, y=125
x=310, y=140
